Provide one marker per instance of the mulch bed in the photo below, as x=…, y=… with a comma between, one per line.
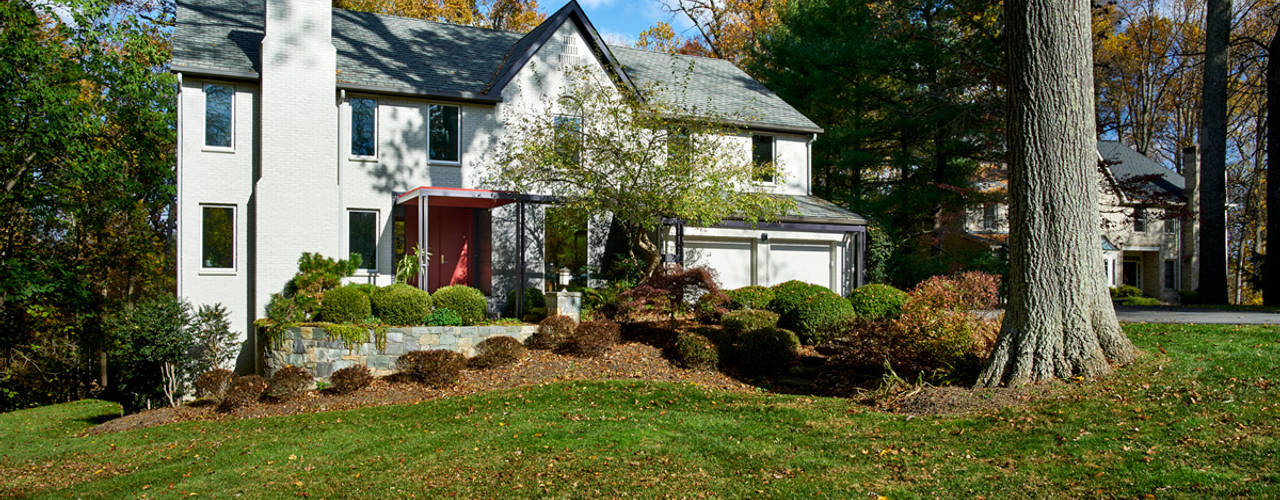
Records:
x=626, y=361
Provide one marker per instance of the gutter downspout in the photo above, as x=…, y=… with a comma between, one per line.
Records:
x=808, y=164
x=177, y=209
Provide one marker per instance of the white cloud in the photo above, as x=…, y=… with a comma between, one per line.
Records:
x=615, y=38
x=591, y=4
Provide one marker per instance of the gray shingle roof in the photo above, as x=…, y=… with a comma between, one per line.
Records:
x=1140, y=177
x=817, y=210
x=395, y=54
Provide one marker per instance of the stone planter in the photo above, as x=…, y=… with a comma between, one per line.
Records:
x=313, y=349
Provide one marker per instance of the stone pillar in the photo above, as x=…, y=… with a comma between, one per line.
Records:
x=565, y=304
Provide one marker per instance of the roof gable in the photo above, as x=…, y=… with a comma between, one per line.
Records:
x=524, y=49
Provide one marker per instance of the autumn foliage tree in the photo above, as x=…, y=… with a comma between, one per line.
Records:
x=507, y=15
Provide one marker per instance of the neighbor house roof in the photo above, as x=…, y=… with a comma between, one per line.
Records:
x=398, y=55
x=1139, y=177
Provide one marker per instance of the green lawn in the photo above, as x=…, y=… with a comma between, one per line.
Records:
x=1197, y=416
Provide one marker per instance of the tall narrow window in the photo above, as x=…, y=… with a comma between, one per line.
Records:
x=1139, y=220
x=762, y=159
x=218, y=237
x=362, y=237
x=364, y=127
x=217, y=115
x=990, y=213
x=444, y=133
x=568, y=136
x=1171, y=226
x=1170, y=274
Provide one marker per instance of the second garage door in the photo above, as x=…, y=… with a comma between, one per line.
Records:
x=808, y=262
x=730, y=258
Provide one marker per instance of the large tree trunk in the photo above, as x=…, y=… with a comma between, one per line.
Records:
x=1213, y=159
x=1059, y=322
x=1271, y=267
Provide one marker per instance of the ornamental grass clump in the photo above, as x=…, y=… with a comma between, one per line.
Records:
x=289, y=381
x=592, y=338
x=214, y=384
x=876, y=301
x=437, y=368
x=750, y=297
x=694, y=351
x=497, y=351
x=467, y=302
x=400, y=304
x=344, y=305
x=243, y=392
x=351, y=379
x=552, y=331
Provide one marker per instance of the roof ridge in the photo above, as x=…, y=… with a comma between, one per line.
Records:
x=431, y=21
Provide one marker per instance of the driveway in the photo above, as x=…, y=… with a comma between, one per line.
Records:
x=1181, y=315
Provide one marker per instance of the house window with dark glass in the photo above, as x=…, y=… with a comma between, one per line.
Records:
x=990, y=214
x=218, y=237
x=568, y=137
x=1170, y=274
x=1139, y=220
x=444, y=138
x=1171, y=226
x=362, y=237
x=364, y=127
x=218, y=107
x=764, y=168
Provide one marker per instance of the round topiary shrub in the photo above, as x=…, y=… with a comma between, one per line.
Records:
x=351, y=379
x=497, y=351
x=750, y=297
x=289, y=381
x=694, y=351
x=367, y=288
x=742, y=321
x=400, y=304
x=766, y=350
x=469, y=303
x=435, y=368
x=877, y=301
x=442, y=316
x=552, y=331
x=213, y=384
x=243, y=392
x=819, y=317
x=592, y=338
x=788, y=296
x=345, y=305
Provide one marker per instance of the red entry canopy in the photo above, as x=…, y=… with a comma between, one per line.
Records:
x=457, y=197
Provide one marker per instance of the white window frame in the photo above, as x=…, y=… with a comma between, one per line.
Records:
x=773, y=148
x=1140, y=214
x=431, y=161
x=235, y=240
x=204, y=117
x=351, y=125
x=1171, y=226
x=377, y=225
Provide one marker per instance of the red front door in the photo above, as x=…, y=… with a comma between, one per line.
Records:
x=450, y=240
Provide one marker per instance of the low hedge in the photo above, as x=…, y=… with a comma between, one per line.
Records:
x=766, y=350
x=694, y=351
x=469, y=303
x=819, y=317
x=400, y=304
x=348, y=304
x=751, y=297
x=877, y=301
x=739, y=322
x=1125, y=291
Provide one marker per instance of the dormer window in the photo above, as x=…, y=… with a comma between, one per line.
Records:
x=364, y=128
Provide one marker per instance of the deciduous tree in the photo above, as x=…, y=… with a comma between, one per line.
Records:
x=509, y=15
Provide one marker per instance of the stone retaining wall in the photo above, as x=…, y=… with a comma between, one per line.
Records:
x=313, y=349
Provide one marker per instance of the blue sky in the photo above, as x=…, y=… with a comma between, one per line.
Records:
x=621, y=20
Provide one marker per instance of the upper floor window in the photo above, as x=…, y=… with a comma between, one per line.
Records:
x=1171, y=226
x=218, y=237
x=990, y=213
x=568, y=137
x=679, y=145
x=364, y=127
x=444, y=139
x=362, y=237
x=218, y=109
x=1140, y=220
x=762, y=159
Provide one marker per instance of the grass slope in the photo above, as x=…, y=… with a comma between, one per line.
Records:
x=1198, y=415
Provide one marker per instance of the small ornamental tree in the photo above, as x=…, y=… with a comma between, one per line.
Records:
x=639, y=153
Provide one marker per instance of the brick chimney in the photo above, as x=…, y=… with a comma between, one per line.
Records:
x=1190, y=244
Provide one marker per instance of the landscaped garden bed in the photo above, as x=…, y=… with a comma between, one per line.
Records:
x=322, y=353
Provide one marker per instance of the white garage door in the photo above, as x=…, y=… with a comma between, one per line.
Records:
x=810, y=263
x=731, y=259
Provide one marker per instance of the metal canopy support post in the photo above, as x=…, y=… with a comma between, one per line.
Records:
x=861, y=262
x=520, y=243
x=680, y=242
x=678, y=256
x=422, y=240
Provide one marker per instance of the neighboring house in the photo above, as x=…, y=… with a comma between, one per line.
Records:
x=1146, y=239
x=304, y=128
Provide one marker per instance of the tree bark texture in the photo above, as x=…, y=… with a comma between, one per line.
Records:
x=1213, y=156
x=1059, y=322
x=1271, y=267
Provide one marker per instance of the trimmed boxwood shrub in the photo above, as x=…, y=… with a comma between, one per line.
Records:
x=694, y=351
x=533, y=299
x=351, y=379
x=467, y=302
x=435, y=368
x=711, y=306
x=367, y=288
x=766, y=350
x=877, y=301
x=289, y=381
x=244, y=391
x=552, y=331
x=592, y=338
x=443, y=316
x=400, y=304
x=819, y=317
x=1139, y=301
x=497, y=351
x=750, y=297
x=348, y=304
x=739, y=322
x=1124, y=291
x=788, y=296
x=213, y=384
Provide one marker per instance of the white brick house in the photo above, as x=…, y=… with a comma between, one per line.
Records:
x=303, y=128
